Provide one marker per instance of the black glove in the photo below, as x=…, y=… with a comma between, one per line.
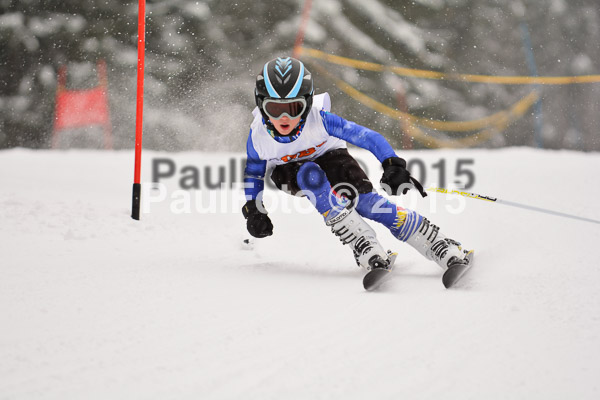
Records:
x=258, y=224
x=395, y=175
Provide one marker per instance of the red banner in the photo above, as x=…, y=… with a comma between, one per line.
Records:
x=82, y=108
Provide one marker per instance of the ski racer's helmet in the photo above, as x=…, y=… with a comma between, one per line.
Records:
x=284, y=87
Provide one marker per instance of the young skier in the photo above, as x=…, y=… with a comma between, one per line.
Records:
x=307, y=145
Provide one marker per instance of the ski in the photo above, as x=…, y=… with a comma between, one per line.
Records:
x=374, y=278
x=456, y=271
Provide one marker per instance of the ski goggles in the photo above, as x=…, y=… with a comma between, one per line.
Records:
x=278, y=108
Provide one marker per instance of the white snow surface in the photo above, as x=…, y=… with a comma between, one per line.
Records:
x=96, y=305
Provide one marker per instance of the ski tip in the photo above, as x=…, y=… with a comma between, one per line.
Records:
x=374, y=278
x=454, y=273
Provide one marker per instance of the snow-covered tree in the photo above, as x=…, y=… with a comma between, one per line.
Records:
x=202, y=57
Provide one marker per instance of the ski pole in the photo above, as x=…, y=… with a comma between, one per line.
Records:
x=511, y=203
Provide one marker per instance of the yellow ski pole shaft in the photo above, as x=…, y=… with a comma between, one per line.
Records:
x=511, y=203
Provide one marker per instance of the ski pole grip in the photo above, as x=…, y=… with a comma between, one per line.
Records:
x=418, y=186
x=135, y=201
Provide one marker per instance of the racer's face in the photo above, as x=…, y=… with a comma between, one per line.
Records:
x=285, y=125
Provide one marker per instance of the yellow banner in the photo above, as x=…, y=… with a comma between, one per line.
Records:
x=421, y=73
x=487, y=126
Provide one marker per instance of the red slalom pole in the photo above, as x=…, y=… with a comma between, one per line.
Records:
x=302, y=28
x=137, y=187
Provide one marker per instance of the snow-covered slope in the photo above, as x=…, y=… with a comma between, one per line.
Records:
x=96, y=305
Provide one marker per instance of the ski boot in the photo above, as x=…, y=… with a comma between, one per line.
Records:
x=351, y=229
x=434, y=245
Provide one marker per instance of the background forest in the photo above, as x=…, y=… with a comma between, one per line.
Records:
x=202, y=58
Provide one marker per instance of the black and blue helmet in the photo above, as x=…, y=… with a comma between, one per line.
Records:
x=284, y=78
